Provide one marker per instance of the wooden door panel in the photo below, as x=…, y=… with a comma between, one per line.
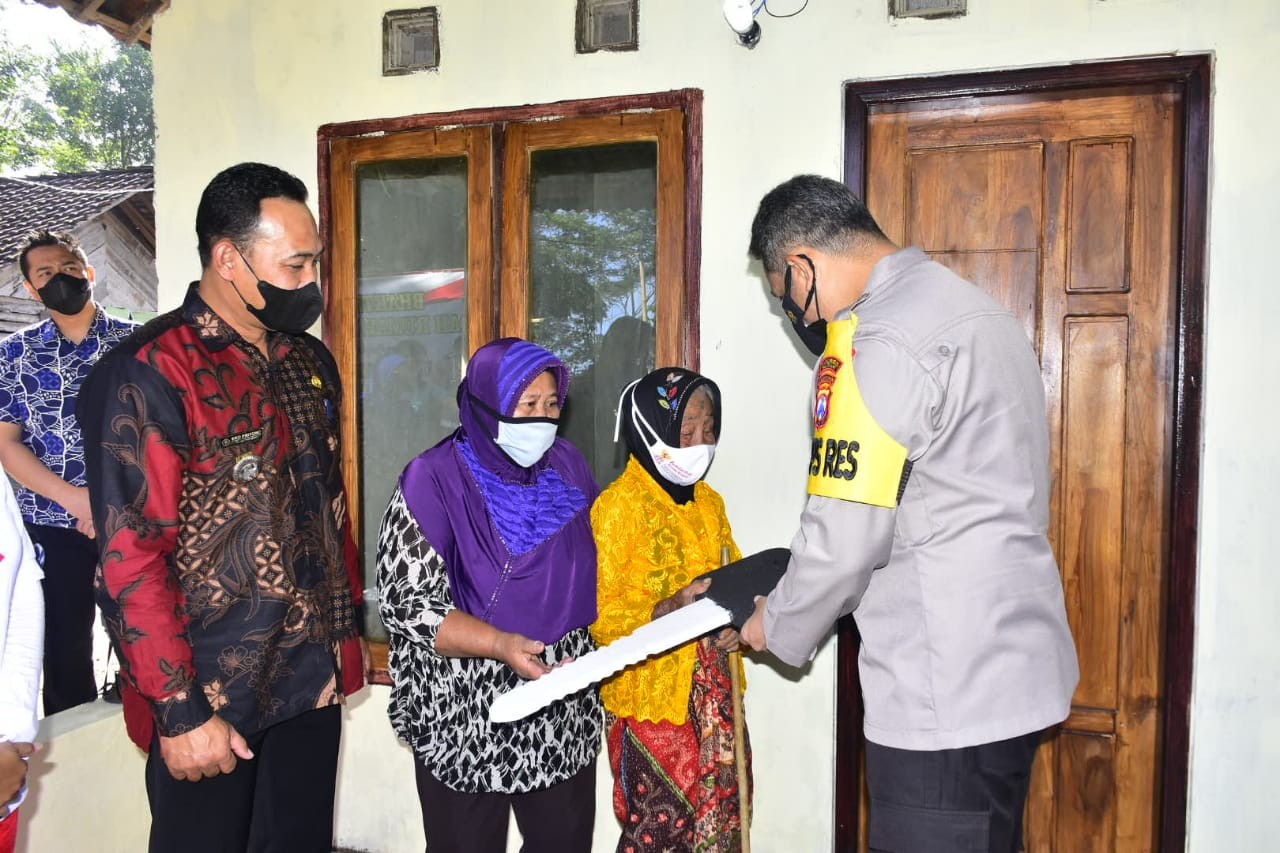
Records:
x=1148, y=444
x=1086, y=812
x=1063, y=207
x=957, y=199
x=1012, y=277
x=1098, y=215
x=1049, y=117
x=1091, y=477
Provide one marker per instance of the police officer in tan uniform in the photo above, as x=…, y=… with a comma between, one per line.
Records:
x=926, y=519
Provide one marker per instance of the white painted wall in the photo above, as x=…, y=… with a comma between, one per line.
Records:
x=85, y=786
x=240, y=80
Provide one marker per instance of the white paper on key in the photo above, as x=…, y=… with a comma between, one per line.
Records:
x=653, y=638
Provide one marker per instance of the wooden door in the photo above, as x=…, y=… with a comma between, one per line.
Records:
x=1065, y=207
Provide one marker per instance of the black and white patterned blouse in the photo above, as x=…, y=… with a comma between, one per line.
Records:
x=440, y=705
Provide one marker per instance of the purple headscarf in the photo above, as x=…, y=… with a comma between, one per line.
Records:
x=516, y=542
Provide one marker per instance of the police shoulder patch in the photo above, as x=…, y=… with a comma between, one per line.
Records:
x=852, y=457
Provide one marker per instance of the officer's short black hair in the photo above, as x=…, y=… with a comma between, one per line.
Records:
x=231, y=205
x=810, y=210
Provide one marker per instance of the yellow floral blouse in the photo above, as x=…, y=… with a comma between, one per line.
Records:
x=649, y=548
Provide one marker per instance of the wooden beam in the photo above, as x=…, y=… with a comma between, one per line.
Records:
x=143, y=227
x=87, y=11
x=143, y=24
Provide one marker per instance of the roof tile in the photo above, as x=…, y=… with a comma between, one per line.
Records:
x=62, y=202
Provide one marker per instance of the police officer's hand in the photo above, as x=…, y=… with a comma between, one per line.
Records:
x=205, y=751
x=683, y=598
x=753, y=630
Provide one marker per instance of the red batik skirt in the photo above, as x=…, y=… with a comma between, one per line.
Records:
x=676, y=786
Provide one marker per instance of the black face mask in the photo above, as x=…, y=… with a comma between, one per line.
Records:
x=66, y=294
x=291, y=311
x=814, y=335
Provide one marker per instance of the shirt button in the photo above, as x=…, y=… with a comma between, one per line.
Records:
x=944, y=350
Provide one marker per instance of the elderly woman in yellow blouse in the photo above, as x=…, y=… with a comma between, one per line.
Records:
x=657, y=527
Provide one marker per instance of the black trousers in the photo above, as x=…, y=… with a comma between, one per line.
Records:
x=951, y=800
x=559, y=819
x=279, y=801
x=70, y=559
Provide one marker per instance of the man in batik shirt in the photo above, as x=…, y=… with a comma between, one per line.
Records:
x=228, y=577
x=41, y=369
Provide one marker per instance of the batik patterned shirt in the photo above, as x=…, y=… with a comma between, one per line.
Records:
x=40, y=376
x=228, y=579
x=440, y=705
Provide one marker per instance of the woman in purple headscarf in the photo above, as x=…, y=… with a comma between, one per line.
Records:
x=487, y=574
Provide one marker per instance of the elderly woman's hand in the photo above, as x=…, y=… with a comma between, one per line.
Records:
x=728, y=640
x=683, y=598
x=520, y=653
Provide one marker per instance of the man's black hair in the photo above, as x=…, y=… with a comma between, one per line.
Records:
x=810, y=210
x=231, y=205
x=44, y=237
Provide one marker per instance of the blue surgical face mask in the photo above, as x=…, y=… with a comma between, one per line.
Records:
x=813, y=335
x=526, y=440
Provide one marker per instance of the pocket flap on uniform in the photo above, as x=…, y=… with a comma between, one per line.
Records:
x=908, y=829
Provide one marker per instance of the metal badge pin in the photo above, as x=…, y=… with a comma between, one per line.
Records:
x=246, y=467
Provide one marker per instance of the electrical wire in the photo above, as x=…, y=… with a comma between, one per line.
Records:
x=764, y=4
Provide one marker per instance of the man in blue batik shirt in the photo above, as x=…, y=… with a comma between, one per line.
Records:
x=41, y=368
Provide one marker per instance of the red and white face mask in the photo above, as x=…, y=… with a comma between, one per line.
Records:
x=682, y=466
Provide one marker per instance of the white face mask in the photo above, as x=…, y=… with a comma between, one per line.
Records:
x=526, y=441
x=683, y=466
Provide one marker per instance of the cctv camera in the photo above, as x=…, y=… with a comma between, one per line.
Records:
x=741, y=18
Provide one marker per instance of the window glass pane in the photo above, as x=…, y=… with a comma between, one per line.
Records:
x=412, y=321
x=593, y=245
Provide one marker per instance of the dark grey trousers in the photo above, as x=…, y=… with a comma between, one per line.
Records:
x=967, y=800
x=70, y=559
